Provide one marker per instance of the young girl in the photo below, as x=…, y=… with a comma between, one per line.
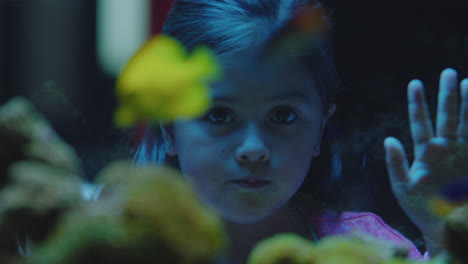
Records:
x=248, y=156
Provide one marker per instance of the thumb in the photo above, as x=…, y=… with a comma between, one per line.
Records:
x=397, y=163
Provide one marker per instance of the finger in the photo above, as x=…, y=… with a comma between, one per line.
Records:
x=463, y=123
x=397, y=163
x=419, y=118
x=447, y=105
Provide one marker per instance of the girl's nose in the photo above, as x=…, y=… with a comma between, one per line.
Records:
x=253, y=150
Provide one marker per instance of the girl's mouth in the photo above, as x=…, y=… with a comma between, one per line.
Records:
x=251, y=183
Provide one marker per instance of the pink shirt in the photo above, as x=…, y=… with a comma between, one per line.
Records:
x=331, y=223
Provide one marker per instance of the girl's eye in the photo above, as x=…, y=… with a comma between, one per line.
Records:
x=284, y=116
x=219, y=116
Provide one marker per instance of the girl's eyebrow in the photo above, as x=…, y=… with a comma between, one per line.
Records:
x=294, y=94
x=223, y=98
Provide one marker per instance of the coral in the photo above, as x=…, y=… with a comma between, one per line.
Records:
x=26, y=135
x=281, y=249
x=39, y=176
x=145, y=215
x=35, y=199
x=455, y=234
x=355, y=248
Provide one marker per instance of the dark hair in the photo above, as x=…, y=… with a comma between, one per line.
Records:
x=230, y=26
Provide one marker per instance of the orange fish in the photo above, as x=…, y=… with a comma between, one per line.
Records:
x=300, y=34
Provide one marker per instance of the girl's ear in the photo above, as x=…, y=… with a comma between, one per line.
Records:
x=330, y=112
x=168, y=136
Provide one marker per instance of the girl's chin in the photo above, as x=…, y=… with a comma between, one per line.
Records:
x=247, y=211
x=246, y=217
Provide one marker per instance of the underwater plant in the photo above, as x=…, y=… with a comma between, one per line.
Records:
x=26, y=135
x=282, y=248
x=39, y=178
x=145, y=215
x=333, y=249
x=163, y=82
x=355, y=248
x=455, y=234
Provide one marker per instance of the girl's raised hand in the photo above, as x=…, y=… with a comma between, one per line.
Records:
x=440, y=157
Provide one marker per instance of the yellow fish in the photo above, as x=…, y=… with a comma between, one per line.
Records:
x=452, y=196
x=163, y=82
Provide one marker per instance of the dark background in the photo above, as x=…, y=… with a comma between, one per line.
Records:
x=47, y=53
x=378, y=51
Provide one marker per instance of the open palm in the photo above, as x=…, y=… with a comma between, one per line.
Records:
x=440, y=157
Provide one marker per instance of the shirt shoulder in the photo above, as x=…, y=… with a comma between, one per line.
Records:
x=331, y=223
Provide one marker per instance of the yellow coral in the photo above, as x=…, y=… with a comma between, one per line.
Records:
x=163, y=82
x=161, y=208
x=356, y=249
x=282, y=248
x=351, y=249
x=145, y=215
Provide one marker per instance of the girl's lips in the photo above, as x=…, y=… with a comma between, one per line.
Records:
x=251, y=183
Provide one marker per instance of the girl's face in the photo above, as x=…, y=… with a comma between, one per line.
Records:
x=252, y=150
